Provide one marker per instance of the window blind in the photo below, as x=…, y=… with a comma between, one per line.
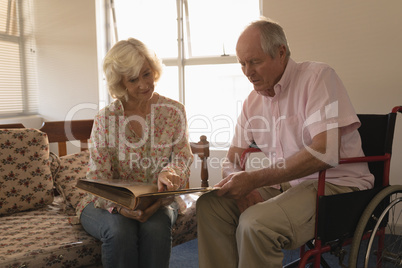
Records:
x=18, y=76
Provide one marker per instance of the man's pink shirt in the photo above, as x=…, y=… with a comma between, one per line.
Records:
x=309, y=98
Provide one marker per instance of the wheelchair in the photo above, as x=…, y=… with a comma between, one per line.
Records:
x=371, y=229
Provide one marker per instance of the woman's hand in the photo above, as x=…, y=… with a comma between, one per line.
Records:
x=168, y=181
x=144, y=215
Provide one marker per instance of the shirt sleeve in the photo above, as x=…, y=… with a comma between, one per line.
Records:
x=328, y=105
x=243, y=135
x=100, y=162
x=181, y=157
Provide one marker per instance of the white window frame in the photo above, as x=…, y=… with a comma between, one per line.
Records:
x=109, y=21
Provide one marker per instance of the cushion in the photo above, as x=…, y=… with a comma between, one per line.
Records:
x=45, y=238
x=25, y=176
x=71, y=168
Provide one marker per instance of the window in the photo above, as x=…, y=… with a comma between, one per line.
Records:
x=196, y=41
x=18, y=80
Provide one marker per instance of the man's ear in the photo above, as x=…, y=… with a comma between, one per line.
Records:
x=282, y=51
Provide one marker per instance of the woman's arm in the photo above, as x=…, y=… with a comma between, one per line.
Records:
x=100, y=160
x=175, y=175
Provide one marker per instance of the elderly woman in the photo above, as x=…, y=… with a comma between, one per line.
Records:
x=140, y=137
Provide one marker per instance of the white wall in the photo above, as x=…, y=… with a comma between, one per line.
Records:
x=67, y=58
x=32, y=121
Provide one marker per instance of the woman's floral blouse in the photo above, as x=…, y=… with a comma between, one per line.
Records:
x=116, y=152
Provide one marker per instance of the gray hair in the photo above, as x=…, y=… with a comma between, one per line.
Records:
x=272, y=36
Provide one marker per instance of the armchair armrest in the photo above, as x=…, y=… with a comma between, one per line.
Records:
x=201, y=149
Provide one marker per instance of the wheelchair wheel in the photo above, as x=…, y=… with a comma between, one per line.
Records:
x=369, y=249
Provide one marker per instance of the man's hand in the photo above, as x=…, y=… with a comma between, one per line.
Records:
x=236, y=186
x=239, y=186
x=251, y=199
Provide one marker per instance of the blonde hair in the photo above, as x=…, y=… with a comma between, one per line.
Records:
x=126, y=58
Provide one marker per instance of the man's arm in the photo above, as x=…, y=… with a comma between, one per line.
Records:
x=231, y=164
x=239, y=184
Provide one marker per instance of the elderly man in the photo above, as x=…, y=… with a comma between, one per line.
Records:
x=300, y=116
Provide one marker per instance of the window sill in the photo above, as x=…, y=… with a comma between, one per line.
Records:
x=29, y=121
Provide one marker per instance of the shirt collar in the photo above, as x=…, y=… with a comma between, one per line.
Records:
x=286, y=77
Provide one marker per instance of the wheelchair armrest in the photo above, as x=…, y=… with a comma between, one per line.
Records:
x=245, y=154
x=362, y=159
x=321, y=174
x=376, y=158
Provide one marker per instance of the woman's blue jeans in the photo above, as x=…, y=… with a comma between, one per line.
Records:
x=130, y=243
